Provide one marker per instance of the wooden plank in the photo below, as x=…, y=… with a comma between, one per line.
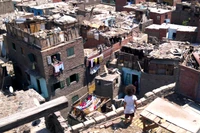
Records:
x=181, y=130
x=174, y=114
x=32, y=114
x=165, y=124
x=144, y=113
x=157, y=119
x=152, y=117
x=173, y=128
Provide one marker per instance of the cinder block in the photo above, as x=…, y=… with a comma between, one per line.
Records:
x=156, y=91
x=111, y=114
x=149, y=94
x=77, y=127
x=172, y=85
x=120, y=111
x=100, y=119
x=89, y=123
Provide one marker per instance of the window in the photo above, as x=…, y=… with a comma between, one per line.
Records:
x=158, y=17
x=75, y=98
x=166, y=16
x=13, y=46
x=32, y=57
x=72, y=78
x=54, y=58
x=22, y=50
x=70, y=51
x=174, y=36
x=39, y=87
x=60, y=85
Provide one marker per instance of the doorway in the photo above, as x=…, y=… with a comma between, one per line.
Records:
x=135, y=82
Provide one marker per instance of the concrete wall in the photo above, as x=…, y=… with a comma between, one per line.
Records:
x=153, y=81
x=6, y=7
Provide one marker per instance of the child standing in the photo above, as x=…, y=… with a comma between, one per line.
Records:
x=130, y=104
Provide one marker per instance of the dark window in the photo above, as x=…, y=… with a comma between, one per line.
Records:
x=174, y=36
x=75, y=98
x=13, y=46
x=28, y=76
x=60, y=85
x=22, y=50
x=98, y=82
x=32, y=57
x=70, y=51
x=72, y=78
x=166, y=16
x=39, y=87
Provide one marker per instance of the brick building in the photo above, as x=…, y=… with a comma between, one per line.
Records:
x=144, y=62
x=104, y=35
x=172, y=32
x=119, y=4
x=48, y=55
x=186, y=13
x=159, y=14
x=188, y=78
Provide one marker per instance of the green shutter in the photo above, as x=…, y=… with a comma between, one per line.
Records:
x=68, y=81
x=62, y=84
x=70, y=51
x=77, y=77
x=75, y=98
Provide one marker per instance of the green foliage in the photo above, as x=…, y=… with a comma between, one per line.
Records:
x=185, y=22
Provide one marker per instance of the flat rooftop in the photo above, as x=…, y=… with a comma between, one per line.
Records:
x=22, y=100
x=173, y=26
x=169, y=50
x=107, y=77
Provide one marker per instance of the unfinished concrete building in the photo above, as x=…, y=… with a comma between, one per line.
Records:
x=48, y=55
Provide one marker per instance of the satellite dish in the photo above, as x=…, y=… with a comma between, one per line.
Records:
x=11, y=89
x=36, y=102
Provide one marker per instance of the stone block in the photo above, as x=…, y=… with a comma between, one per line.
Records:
x=170, y=86
x=149, y=94
x=89, y=123
x=120, y=111
x=100, y=119
x=156, y=91
x=77, y=127
x=111, y=114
